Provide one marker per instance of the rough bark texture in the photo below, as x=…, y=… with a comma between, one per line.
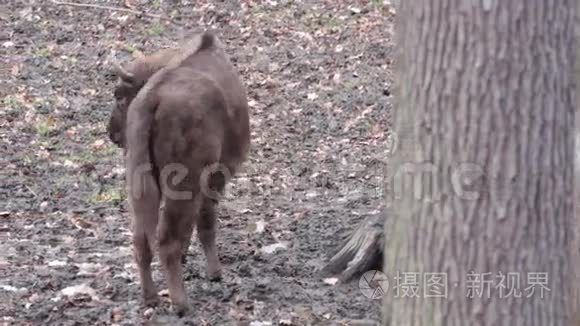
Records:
x=577, y=122
x=577, y=152
x=483, y=178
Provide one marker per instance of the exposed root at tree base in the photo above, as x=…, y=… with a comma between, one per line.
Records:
x=362, y=251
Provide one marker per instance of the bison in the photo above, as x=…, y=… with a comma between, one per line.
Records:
x=180, y=114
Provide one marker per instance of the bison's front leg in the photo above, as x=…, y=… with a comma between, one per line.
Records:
x=177, y=220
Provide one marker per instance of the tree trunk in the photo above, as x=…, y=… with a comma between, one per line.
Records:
x=482, y=182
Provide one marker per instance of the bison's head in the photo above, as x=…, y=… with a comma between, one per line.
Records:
x=126, y=89
x=131, y=79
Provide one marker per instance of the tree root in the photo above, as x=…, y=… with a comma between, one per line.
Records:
x=362, y=251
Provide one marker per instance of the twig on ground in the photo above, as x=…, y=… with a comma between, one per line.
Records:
x=132, y=11
x=31, y=191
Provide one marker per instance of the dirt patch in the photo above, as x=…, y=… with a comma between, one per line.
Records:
x=318, y=80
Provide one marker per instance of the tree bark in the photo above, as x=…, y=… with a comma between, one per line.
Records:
x=482, y=184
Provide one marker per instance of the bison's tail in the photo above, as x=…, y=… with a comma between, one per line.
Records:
x=140, y=168
x=199, y=42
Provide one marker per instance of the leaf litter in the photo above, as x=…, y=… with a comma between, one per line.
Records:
x=316, y=74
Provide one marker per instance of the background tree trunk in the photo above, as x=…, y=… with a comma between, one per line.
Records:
x=483, y=178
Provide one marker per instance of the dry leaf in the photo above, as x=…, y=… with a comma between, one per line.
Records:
x=10, y=288
x=98, y=143
x=336, y=78
x=57, y=263
x=312, y=96
x=15, y=70
x=269, y=249
x=71, y=291
x=128, y=4
x=260, y=323
x=70, y=164
x=71, y=131
x=257, y=227
x=116, y=314
x=330, y=280
x=149, y=312
x=90, y=269
x=81, y=223
x=377, y=132
x=355, y=10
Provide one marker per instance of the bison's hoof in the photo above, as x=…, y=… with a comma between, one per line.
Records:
x=151, y=300
x=181, y=309
x=214, y=276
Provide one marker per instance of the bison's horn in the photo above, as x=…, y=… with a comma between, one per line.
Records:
x=124, y=74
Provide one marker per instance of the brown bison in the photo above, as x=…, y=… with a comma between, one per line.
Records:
x=181, y=112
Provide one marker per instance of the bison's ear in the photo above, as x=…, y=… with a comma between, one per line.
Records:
x=124, y=74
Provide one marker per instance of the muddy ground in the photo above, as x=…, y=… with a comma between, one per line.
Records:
x=317, y=74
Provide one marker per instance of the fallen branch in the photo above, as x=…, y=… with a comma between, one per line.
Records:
x=132, y=11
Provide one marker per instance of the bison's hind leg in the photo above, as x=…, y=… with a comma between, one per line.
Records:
x=145, y=211
x=187, y=234
x=207, y=222
x=206, y=233
x=174, y=228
